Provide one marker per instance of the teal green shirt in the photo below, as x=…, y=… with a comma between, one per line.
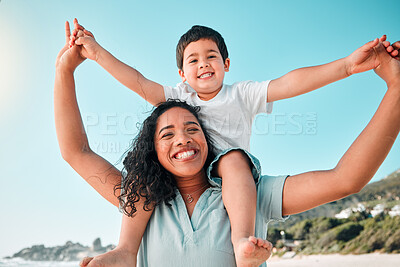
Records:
x=173, y=239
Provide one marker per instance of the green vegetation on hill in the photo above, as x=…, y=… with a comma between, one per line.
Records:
x=319, y=232
x=388, y=188
x=356, y=234
x=387, y=191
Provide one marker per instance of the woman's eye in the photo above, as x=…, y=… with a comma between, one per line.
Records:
x=193, y=130
x=166, y=135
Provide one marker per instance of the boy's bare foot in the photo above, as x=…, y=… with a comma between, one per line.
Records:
x=252, y=251
x=116, y=257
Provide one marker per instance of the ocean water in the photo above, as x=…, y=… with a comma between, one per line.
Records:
x=21, y=262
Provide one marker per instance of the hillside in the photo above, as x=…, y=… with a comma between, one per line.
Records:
x=386, y=190
x=357, y=234
x=318, y=231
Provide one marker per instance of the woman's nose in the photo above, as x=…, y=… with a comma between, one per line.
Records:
x=183, y=139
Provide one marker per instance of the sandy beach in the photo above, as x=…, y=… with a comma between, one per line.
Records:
x=335, y=260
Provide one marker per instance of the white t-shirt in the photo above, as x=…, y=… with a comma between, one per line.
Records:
x=228, y=116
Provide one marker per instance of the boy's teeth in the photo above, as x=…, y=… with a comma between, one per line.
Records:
x=185, y=154
x=205, y=75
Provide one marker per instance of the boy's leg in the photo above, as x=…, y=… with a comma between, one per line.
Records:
x=240, y=199
x=125, y=254
x=238, y=193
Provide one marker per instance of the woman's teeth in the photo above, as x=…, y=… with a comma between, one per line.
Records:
x=185, y=154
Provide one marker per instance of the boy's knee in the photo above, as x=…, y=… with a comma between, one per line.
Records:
x=233, y=160
x=235, y=157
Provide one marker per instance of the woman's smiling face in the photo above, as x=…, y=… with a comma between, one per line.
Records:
x=180, y=143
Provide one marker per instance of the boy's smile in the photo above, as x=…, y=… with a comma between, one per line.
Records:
x=203, y=68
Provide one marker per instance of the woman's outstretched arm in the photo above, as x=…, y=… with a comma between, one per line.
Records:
x=99, y=173
x=361, y=161
x=72, y=139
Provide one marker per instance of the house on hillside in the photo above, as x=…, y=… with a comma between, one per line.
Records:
x=395, y=211
x=344, y=214
x=378, y=209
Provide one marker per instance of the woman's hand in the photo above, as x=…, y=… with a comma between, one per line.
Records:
x=69, y=57
x=389, y=66
x=114, y=258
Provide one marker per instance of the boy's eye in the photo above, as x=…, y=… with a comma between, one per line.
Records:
x=193, y=61
x=211, y=56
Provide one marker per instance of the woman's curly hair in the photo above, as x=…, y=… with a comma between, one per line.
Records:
x=143, y=175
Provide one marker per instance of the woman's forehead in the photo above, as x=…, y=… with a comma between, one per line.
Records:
x=175, y=116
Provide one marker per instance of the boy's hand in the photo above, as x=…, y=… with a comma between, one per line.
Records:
x=365, y=58
x=69, y=57
x=81, y=37
x=389, y=66
x=78, y=27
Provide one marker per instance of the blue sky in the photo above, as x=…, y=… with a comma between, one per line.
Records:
x=43, y=201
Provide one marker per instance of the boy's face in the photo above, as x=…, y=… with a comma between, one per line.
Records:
x=204, y=68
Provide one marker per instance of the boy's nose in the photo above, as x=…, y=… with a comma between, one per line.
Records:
x=204, y=64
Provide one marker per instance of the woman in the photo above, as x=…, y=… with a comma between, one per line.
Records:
x=189, y=226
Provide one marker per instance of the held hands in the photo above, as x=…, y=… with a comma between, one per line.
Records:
x=69, y=57
x=365, y=58
x=389, y=66
x=83, y=38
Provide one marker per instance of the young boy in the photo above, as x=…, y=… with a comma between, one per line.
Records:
x=228, y=111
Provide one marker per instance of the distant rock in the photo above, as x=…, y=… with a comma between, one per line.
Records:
x=97, y=244
x=68, y=252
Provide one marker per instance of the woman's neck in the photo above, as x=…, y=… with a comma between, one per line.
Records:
x=188, y=185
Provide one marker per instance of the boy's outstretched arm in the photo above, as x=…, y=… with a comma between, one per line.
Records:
x=151, y=91
x=304, y=80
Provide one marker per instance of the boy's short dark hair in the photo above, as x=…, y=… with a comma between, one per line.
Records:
x=196, y=33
